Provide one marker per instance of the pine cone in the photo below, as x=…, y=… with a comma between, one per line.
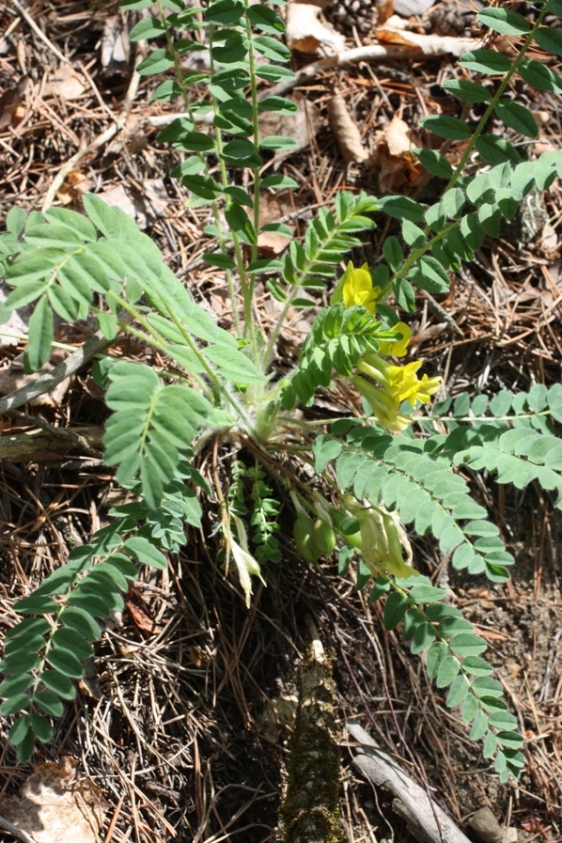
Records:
x=347, y=13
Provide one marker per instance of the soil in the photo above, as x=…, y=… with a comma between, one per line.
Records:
x=184, y=717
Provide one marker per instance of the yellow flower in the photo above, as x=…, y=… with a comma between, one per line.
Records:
x=401, y=383
x=356, y=287
x=397, y=348
x=384, y=406
x=406, y=385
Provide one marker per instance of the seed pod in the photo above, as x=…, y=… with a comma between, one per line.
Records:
x=397, y=541
x=342, y=521
x=324, y=537
x=303, y=534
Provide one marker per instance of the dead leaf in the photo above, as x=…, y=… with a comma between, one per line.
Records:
x=54, y=807
x=74, y=187
x=394, y=32
x=345, y=131
x=115, y=48
x=549, y=238
x=393, y=160
x=308, y=33
x=12, y=104
x=140, y=613
x=89, y=684
x=66, y=83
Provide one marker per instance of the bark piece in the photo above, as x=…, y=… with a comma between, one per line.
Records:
x=411, y=802
x=345, y=131
x=310, y=811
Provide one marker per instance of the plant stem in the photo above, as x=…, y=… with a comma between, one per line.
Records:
x=414, y=256
x=202, y=157
x=495, y=99
x=255, y=116
x=245, y=287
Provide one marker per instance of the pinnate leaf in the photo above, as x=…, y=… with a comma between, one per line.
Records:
x=504, y=21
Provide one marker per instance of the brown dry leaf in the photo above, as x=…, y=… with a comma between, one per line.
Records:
x=345, y=131
x=53, y=807
x=385, y=10
x=74, y=187
x=306, y=32
x=66, y=83
x=89, y=684
x=393, y=32
x=115, y=48
x=12, y=104
x=393, y=160
x=549, y=238
x=140, y=613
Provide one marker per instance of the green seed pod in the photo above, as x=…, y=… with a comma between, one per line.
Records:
x=303, y=534
x=344, y=522
x=324, y=537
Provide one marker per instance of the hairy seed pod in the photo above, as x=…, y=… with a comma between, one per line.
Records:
x=303, y=534
x=324, y=537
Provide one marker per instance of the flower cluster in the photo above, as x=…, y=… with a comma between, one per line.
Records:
x=393, y=384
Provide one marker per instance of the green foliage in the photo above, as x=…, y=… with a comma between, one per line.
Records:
x=454, y=661
x=211, y=382
x=405, y=474
x=339, y=337
x=265, y=511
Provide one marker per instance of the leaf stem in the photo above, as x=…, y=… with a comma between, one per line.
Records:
x=495, y=99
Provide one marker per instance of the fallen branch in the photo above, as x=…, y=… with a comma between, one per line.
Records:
x=427, y=822
x=58, y=440
x=374, y=52
x=15, y=831
x=46, y=383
